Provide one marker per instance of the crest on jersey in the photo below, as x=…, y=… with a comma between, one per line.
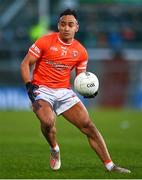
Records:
x=74, y=54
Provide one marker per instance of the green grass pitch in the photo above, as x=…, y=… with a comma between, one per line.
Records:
x=24, y=152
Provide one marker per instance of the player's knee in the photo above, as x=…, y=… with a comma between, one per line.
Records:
x=47, y=122
x=87, y=127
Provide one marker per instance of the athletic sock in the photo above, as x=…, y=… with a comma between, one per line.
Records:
x=109, y=164
x=55, y=148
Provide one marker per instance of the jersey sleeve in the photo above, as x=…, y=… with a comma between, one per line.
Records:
x=83, y=60
x=37, y=48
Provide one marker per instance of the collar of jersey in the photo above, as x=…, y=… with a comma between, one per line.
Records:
x=67, y=44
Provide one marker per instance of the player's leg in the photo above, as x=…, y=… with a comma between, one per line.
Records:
x=45, y=114
x=78, y=116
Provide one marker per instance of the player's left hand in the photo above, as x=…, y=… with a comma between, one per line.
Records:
x=30, y=90
x=91, y=96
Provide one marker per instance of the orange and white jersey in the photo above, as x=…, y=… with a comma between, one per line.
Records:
x=56, y=59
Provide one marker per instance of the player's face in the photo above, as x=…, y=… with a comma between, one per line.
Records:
x=67, y=27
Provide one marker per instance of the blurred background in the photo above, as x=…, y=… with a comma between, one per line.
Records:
x=111, y=30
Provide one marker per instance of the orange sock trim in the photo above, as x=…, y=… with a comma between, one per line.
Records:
x=107, y=161
x=54, y=146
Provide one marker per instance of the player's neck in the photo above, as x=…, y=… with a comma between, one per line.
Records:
x=65, y=41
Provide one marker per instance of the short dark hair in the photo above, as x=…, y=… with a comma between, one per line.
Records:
x=68, y=12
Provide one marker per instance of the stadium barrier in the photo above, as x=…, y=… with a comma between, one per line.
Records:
x=13, y=98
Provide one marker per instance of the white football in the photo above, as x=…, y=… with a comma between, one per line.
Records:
x=86, y=83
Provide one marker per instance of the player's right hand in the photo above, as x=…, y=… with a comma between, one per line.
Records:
x=30, y=90
x=91, y=96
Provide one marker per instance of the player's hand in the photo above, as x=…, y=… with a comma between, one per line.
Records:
x=30, y=90
x=91, y=96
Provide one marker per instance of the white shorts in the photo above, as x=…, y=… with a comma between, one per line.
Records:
x=61, y=99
